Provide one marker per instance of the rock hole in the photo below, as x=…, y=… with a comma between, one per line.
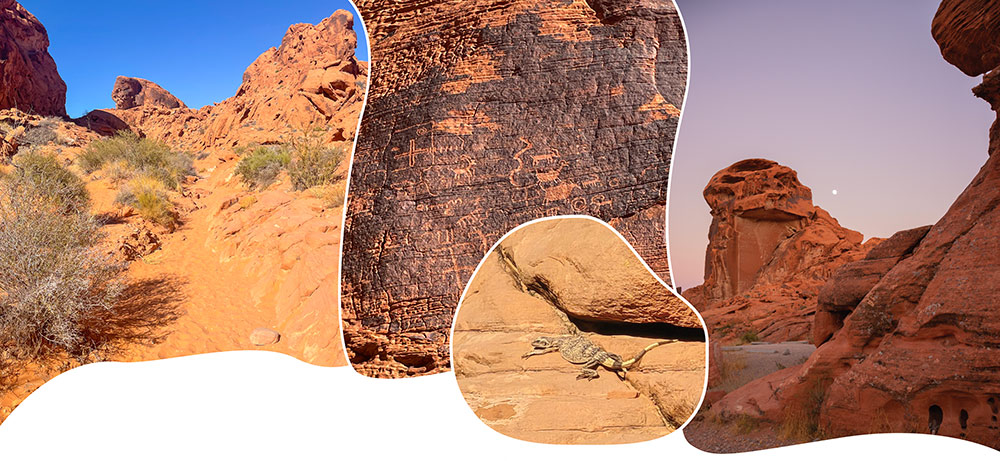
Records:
x=993, y=404
x=730, y=179
x=934, y=418
x=963, y=419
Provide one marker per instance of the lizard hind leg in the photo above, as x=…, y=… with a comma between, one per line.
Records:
x=588, y=374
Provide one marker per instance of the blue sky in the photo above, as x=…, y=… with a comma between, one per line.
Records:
x=197, y=50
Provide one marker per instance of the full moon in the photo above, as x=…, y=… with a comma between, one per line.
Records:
x=835, y=192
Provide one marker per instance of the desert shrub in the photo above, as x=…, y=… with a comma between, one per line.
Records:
x=53, y=276
x=135, y=156
x=41, y=134
x=67, y=191
x=750, y=337
x=314, y=164
x=259, y=168
x=149, y=198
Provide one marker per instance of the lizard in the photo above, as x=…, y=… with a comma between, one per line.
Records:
x=579, y=350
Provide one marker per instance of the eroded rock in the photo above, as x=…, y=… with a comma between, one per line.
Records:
x=130, y=92
x=28, y=77
x=770, y=251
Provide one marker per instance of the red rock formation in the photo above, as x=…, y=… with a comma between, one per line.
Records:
x=968, y=32
x=28, y=77
x=309, y=85
x=130, y=92
x=486, y=115
x=770, y=250
x=852, y=281
x=919, y=352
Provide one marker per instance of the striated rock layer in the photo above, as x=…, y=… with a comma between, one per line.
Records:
x=130, y=92
x=770, y=251
x=486, y=115
x=919, y=352
x=28, y=77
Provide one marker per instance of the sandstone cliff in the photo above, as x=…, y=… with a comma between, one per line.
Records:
x=919, y=351
x=311, y=84
x=483, y=116
x=770, y=251
x=28, y=77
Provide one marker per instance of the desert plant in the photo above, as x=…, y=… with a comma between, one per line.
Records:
x=149, y=198
x=749, y=337
x=139, y=156
x=314, y=164
x=54, y=278
x=41, y=134
x=259, y=168
x=68, y=193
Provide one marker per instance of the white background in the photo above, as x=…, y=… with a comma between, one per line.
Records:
x=264, y=405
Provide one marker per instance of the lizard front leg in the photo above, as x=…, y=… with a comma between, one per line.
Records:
x=539, y=352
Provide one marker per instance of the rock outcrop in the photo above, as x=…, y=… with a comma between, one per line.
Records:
x=130, y=92
x=770, y=250
x=485, y=116
x=28, y=77
x=593, y=276
x=919, y=352
x=310, y=85
x=540, y=398
x=967, y=32
x=851, y=282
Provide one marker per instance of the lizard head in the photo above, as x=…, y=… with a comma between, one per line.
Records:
x=543, y=342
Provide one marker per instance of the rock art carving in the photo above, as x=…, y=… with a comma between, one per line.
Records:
x=486, y=116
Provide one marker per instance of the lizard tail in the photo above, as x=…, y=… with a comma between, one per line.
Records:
x=634, y=360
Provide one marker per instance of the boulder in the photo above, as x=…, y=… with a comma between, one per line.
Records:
x=130, y=92
x=28, y=77
x=593, y=274
x=264, y=336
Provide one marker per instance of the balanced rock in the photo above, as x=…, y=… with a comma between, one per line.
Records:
x=28, y=77
x=132, y=92
x=770, y=251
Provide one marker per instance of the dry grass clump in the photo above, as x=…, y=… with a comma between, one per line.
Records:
x=149, y=198
x=54, y=278
x=147, y=170
x=260, y=168
x=42, y=134
x=134, y=156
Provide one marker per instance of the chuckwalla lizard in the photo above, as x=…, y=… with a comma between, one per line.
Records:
x=579, y=350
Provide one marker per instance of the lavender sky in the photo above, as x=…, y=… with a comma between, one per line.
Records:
x=854, y=95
